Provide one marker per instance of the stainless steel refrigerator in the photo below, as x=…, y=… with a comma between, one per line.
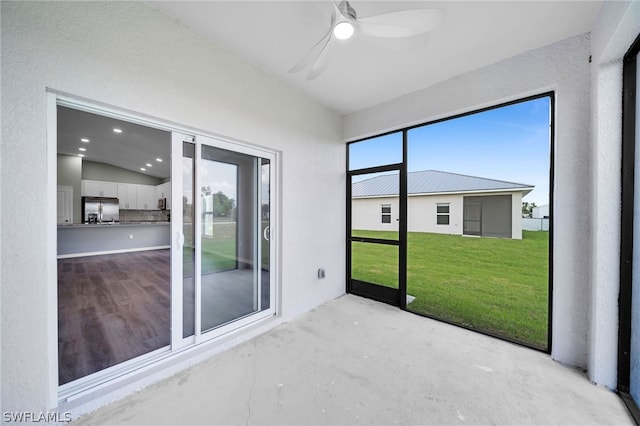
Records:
x=100, y=209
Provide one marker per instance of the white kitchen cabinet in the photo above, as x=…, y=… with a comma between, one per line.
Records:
x=96, y=188
x=109, y=189
x=146, y=197
x=65, y=205
x=90, y=188
x=127, y=196
x=164, y=191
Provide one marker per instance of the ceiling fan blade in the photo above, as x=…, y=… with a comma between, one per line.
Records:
x=312, y=55
x=341, y=10
x=404, y=23
x=321, y=61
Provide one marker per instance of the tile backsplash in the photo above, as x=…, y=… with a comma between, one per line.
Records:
x=144, y=215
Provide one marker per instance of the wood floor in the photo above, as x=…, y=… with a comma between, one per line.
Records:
x=111, y=308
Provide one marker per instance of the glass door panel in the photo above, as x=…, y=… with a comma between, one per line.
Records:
x=231, y=235
x=223, y=232
x=114, y=306
x=188, y=249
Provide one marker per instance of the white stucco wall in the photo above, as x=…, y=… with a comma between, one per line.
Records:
x=130, y=56
x=421, y=216
x=366, y=213
x=617, y=26
x=564, y=68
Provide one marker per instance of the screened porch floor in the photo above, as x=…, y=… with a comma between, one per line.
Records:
x=356, y=361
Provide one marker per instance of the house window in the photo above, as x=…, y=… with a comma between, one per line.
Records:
x=386, y=213
x=442, y=214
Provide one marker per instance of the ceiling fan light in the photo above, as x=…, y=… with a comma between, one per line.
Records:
x=343, y=30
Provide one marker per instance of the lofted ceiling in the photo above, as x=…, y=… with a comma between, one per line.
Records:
x=132, y=149
x=362, y=71
x=365, y=71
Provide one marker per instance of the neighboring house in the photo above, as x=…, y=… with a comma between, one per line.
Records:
x=442, y=203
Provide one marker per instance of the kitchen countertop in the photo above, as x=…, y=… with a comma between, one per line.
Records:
x=112, y=224
x=120, y=237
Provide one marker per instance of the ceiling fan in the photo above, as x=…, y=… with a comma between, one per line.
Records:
x=345, y=23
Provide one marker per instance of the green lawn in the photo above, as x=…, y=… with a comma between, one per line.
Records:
x=218, y=249
x=493, y=284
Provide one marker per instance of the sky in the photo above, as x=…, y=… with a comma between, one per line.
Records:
x=509, y=143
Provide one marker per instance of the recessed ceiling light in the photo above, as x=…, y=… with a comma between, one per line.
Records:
x=116, y=130
x=85, y=140
x=80, y=155
x=159, y=160
x=143, y=169
x=82, y=149
x=149, y=165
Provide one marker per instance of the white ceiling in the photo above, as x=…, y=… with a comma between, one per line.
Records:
x=363, y=71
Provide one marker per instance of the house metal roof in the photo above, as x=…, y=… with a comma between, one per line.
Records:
x=432, y=182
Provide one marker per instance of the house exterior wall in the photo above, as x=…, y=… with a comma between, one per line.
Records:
x=366, y=213
x=421, y=216
x=132, y=57
x=564, y=68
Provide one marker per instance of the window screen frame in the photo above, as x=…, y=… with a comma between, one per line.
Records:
x=403, y=232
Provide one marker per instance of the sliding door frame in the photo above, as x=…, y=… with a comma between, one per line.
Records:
x=200, y=335
x=136, y=368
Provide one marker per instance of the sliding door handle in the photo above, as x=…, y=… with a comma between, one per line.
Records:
x=179, y=240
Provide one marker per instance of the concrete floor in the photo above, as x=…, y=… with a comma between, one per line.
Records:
x=354, y=361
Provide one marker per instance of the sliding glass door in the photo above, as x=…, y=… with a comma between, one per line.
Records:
x=230, y=236
x=224, y=232
x=187, y=257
